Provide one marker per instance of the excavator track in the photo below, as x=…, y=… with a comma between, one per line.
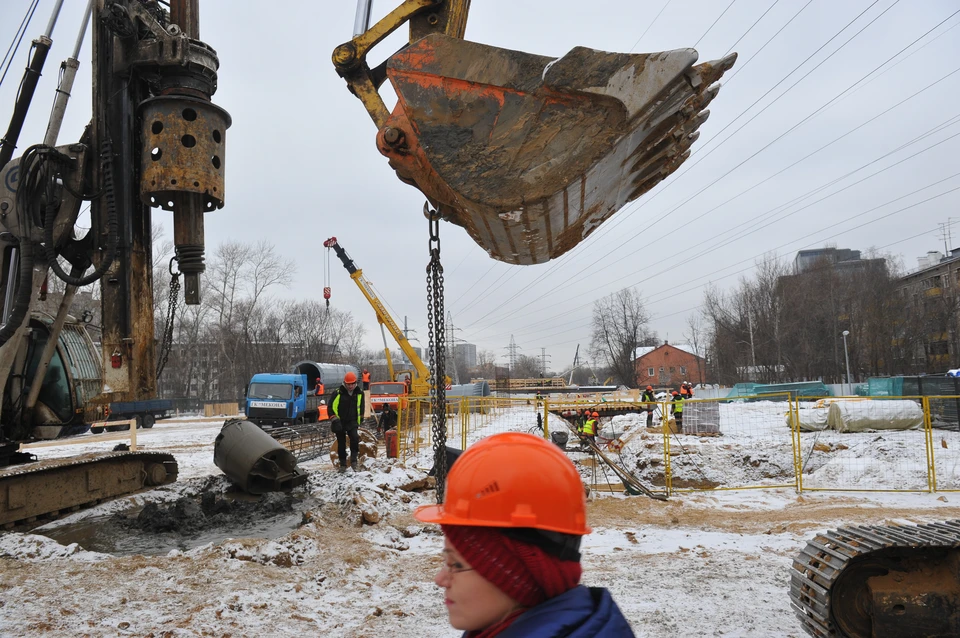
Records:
x=45, y=489
x=880, y=581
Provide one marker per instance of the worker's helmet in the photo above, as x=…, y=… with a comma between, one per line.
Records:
x=596, y=414
x=349, y=378
x=674, y=393
x=650, y=387
x=512, y=480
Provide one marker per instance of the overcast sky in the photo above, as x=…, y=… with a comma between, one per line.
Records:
x=302, y=164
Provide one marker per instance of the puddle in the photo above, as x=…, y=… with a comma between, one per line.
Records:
x=188, y=522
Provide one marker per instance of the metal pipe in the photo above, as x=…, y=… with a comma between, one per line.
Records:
x=362, y=20
x=28, y=86
x=12, y=277
x=53, y=19
x=62, y=97
x=49, y=348
x=83, y=30
x=846, y=355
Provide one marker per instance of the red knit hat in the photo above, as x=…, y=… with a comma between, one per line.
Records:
x=522, y=571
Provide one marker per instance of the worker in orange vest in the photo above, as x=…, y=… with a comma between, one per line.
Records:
x=366, y=379
x=320, y=389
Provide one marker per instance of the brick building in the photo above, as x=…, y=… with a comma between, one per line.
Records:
x=668, y=365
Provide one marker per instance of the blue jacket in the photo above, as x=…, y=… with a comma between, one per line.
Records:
x=579, y=613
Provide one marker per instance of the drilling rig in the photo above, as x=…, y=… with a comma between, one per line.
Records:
x=155, y=140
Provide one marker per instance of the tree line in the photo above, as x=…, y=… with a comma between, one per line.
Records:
x=779, y=326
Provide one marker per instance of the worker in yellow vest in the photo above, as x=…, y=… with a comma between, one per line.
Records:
x=677, y=410
x=591, y=426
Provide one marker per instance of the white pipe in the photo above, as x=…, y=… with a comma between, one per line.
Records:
x=362, y=20
x=62, y=96
x=53, y=18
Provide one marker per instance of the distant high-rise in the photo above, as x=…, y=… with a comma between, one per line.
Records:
x=466, y=352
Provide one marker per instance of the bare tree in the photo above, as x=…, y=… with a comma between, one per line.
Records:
x=619, y=324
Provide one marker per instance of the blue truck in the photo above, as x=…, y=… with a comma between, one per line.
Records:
x=281, y=399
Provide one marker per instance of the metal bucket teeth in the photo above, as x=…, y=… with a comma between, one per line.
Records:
x=530, y=154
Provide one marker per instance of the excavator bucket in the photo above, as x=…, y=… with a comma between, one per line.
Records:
x=530, y=154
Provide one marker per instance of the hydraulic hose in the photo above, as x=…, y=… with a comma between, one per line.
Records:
x=113, y=234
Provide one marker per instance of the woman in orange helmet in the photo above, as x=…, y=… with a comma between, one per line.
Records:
x=512, y=522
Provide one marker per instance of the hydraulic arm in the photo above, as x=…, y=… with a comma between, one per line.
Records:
x=530, y=154
x=420, y=384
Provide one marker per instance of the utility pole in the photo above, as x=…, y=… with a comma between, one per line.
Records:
x=452, y=349
x=946, y=234
x=543, y=362
x=512, y=352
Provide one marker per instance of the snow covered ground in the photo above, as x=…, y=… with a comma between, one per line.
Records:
x=704, y=563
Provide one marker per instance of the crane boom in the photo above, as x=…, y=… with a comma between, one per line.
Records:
x=420, y=382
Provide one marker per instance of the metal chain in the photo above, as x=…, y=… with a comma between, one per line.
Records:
x=438, y=351
x=166, y=343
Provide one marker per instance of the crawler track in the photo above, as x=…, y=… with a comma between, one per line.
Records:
x=44, y=489
x=879, y=581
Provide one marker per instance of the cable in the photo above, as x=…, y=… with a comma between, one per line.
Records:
x=755, y=22
x=687, y=170
x=18, y=38
x=649, y=26
x=935, y=129
x=710, y=28
x=609, y=253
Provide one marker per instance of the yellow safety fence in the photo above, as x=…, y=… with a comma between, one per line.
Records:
x=769, y=441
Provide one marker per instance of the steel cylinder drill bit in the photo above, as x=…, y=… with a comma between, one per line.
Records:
x=184, y=137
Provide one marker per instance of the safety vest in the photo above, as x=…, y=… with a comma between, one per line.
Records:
x=678, y=405
x=320, y=389
x=336, y=405
x=366, y=377
x=590, y=427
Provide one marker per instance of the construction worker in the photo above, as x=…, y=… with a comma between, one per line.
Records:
x=677, y=410
x=366, y=380
x=649, y=399
x=591, y=426
x=388, y=418
x=507, y=577
x=320, y=389
x=347, y=406
x=689, y=390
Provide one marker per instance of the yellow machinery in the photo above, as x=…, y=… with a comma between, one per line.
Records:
x=420, y=375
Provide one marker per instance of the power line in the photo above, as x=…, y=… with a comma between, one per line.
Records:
x=17, y=39
x=687, y=170
x=948, y=122
x=609, y=253
x=755, y=22
x=710, y=28
x=649, y=26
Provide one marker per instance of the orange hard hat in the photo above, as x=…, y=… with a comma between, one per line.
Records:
x=649, y=387
x=512, y=480
x=674, y=393
x=596, y=414
x=349, y=378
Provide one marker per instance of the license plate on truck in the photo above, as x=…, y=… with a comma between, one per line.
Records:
x=267, y=404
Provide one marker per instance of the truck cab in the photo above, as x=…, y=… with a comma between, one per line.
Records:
x=394, y=393
x=280, y=399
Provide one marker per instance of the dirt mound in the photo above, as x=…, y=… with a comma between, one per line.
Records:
x=189, y=515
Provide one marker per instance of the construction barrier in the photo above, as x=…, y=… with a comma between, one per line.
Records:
x=864, y=444
x=754, y=442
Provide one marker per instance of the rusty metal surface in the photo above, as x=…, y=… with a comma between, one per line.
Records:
x=531, y=154
x=47, y=487
x=184, y=151
x=879, y=581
